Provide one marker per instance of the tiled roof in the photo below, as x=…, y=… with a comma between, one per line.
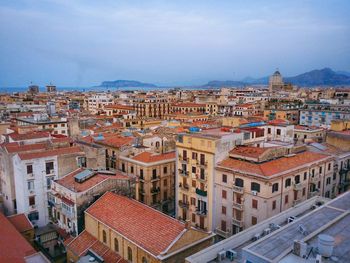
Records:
x=53, y=152
x=69, y=182
x=149, y=157
x=14, y=147
x=146, y=227
x=119, y=107
x=85, y=241
x=20, y=222
x=249, y=151
x=13, y=246
x=29, y=136
x=273, y=167
x=188, y=104
x=116, y=141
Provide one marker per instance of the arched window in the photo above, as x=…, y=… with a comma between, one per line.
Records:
x=116, y=245
x=275, y=187
x=144, y=260
x=239, y=182
x=255, y=187
x=104, y=236
x=129, y=254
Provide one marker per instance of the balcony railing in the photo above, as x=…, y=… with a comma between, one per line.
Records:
x=155, y=178
x=201, y=212
x=155, y=190
x=314, y=179
x=201, y=192
x=203, y=164
x=184, y=186
x=298, y=186
x=183, y=172
x=183, y=204
x=237, y=222
x=237, y=206
x=238, y=189
x=224, y=234
x=184, y=160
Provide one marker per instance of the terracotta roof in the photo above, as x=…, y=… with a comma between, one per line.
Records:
x=20, y=222
x=248, y=151
x=13, y=246
x=85, y=241
x=273, y=167
x=145, y=226
x=119, y=107
x=14, y=147
x=116, y=141
x=28, y=136
x=53, y=152
x=149, y=157
x=188, y=104
x=69, y=182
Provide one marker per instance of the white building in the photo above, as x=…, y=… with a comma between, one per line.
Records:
x=97, y=102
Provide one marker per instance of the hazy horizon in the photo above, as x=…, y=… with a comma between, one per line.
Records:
x=83, y=43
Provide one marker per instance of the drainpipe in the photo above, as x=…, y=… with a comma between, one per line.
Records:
x=281, y=194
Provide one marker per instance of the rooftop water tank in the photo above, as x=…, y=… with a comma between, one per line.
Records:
x=325, y=245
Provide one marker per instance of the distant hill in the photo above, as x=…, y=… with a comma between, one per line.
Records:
x=125, y=84
x=318, y=77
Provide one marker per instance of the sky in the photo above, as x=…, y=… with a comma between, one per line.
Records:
x=183, y=42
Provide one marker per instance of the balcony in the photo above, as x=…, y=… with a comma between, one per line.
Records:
x=201, y=192
x=183, y=204
x=201, y=212
x=30, y=175
x=203, y=164
x=31, y=192
x=141, y=178
x=184, y=186
x=314, y=179
x=314, y=193
x=224, y=234
x=67, y=213
x=297, y=187
x=184, y=160
x=183, y=172
x=238, y=189
x=237, y=206
x=50, y=171
x=155, y=190
x=155, y=178
x=237, y=222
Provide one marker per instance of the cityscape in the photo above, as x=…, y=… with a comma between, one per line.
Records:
x=165, y=152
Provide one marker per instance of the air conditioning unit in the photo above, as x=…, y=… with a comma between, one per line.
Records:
x=231, y=254
x=221, y=256
x=300, y=248
x=267, y=231
x=254, y=193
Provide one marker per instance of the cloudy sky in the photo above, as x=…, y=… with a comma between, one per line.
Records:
x=82, y=42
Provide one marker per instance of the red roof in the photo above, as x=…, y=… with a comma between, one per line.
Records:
x=149, y=157
x=116, y=141
x=69, y=182
x=14, y=147
x=272, y=167
x=53, y=152
x=13, y=246
x=28, y=136
x=145, y=226
x=85, y=241
x=188, y=104
x=20, y=222
x=249, y=151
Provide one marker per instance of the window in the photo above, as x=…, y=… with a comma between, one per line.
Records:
x=305, y=176
x=30, y=185
x=223, y=210
x=254, y=220
x=334, y=176
x=193, y=201
x=297, y=179
x=31, y=200
x=328, y=181
x=275, y=187
x=49, y=167
x=33, y=216
x=165, y=170
x=288, y=182
x=320, y=170
x=278, y=131
x=29, y=169
x=286, y=199
x=239, y=182
x=224, y=178
x=48, y=182
x=104, y=236
x=194, y=155
x=141, y=173
x=154, y=173
x=223, y=225
x=304, y=191
x=255, y=187
x=132, y=169
x=194, y=218
x=144, y=260
x=224, y=194
x=273, y=204
x=254, y=203
x=268, y=130
x=129, y=254
x=329, y=166
x=116, y=245
x=165, y=182
x=202, y=174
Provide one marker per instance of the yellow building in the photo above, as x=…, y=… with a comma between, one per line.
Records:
x=120, y=229
x=197, y=154
x=340, y=125
x=155, y=174
x=291, y=115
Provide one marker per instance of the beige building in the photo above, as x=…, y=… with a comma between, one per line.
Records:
x=119, y=229
x=253, y=184
x=197, y=154
x=151, y=107
x=155, y=176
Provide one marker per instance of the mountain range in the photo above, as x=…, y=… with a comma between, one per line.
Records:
x=318, y=77
x=126, y=84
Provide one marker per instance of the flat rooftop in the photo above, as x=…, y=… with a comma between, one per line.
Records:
x=333, y=219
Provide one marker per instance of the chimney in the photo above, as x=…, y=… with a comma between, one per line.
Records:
x=188, y=224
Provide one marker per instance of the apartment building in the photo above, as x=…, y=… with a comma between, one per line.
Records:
x=97, y=102
x=73, y=193
x=253, y=184
x=279, y=130
x=188, y=107
x=155, y=175
x=309, y=133
x=113, y=110
x=33, y=174
x=151, y=107
x=119, y=229
x=196, y=157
